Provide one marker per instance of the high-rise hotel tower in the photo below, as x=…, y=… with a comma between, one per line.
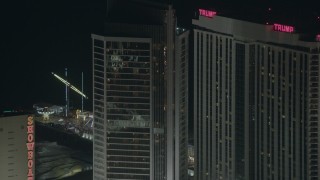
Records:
x=140, y=121
x=256, y=101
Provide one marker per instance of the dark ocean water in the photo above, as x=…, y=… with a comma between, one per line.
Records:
x=55, y=161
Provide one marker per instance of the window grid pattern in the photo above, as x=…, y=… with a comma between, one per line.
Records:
x=122, y=104
x=182, y=103
x=313, y=122
x=128, y=112
x=281, y=113
x=214, y=76
x=99, y=156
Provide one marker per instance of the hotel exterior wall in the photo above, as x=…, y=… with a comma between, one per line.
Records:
x=13, y=152
x=214, y=73
x=248, y=31
x=122, y=131
x=181, y=105
x=275, y=105
x=280, y=112
x=161, y=30
x=313, y=124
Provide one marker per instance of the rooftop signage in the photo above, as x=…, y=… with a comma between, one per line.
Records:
x=207, y=13
x=283, y=28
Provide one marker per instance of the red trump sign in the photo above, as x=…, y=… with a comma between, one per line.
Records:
x=283, y=28
x=207, y=13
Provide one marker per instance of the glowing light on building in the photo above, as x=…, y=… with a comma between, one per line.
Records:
x=318, y=37
x=207, y=13
x=283, y=28
x=30, y=147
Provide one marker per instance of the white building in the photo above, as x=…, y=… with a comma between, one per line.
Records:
x=255, y=101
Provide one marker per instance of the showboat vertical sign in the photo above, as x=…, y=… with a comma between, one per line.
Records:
x=30, y=147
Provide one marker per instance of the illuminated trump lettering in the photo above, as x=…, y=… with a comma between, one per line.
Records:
x=283, y=28
x=30, y=147
x=207, y=13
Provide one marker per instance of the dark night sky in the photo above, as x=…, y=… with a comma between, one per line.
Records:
x=42, y=37
x=39, y=37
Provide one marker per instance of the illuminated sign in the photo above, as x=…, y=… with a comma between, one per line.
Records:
x=318, y=37
x=283, y=28
x=207, y=13
x=30, y=147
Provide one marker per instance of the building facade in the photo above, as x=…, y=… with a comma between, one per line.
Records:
x=135, y=119
x=181, y=85
x=122, y=103
x=313, y=126
x=17, y=151
x=255, y=107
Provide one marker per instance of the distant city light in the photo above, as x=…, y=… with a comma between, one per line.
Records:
x=283, y=28
x=207, y=13
x=318, y=37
